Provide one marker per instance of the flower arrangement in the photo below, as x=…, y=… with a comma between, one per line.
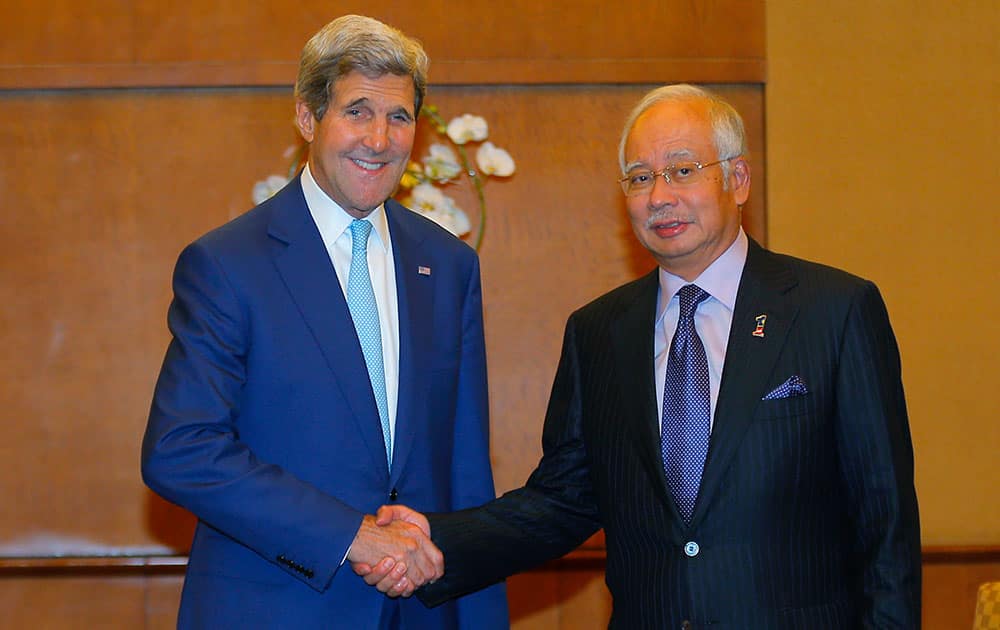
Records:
x=423, y=184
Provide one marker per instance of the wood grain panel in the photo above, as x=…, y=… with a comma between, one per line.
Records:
x=524, y=29
x=73, y=602
x=559, y=599
x=224, y=42
x=163, y=600
x=103, y=190
x=66, y=32
x=108, y=186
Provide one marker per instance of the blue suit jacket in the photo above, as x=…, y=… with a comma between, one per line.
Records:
x=264, y=425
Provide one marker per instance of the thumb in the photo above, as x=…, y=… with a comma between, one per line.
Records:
x=386, y=514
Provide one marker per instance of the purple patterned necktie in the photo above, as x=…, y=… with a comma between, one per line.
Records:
x=686, y=406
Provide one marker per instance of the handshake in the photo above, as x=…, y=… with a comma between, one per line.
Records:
x=393, y=551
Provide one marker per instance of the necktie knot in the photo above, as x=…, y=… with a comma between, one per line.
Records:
x=691, y=295
x=360, y=229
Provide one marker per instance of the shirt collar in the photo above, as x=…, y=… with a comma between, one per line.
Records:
x=721, y=279
x=331, y=219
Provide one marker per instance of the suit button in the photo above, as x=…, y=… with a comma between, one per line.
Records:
x=393, y=495
x=686, y=625
x=691, y=549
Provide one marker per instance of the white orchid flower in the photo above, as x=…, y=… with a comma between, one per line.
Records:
x=467, y=127
x=442, y=163
x=428, y=200
x=493, y=160
x=264, y=189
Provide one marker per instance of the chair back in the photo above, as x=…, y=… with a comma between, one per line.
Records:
x=987, y=607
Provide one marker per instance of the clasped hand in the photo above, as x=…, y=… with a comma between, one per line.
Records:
x=393, y=551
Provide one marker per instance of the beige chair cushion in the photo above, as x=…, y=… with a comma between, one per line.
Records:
x=987, y=607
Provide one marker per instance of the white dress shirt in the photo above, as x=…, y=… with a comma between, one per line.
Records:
x=712, y=320
x=335, y=228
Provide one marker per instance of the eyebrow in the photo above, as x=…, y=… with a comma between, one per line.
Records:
x=671, y=157
x=358, y=101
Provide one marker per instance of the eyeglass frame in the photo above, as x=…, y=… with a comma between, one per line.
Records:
x=664, y=172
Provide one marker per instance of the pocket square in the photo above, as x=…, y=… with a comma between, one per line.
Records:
x=794, y=386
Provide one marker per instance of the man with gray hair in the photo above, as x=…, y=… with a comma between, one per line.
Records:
x=327, y=358
x=734, y=420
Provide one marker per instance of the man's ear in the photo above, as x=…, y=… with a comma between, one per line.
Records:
x=305, y=121
x=739, y=179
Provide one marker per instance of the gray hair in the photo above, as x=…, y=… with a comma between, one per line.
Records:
x=356, y=42
x=729, y=137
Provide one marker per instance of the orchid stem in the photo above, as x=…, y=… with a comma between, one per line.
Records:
x=477, y=182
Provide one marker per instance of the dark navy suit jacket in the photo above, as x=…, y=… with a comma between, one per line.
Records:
x=264, y=425
x=806, y=516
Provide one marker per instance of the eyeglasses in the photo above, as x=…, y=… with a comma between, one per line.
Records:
x=680, y=174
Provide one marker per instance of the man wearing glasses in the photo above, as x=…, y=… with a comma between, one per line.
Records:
x=734, y=420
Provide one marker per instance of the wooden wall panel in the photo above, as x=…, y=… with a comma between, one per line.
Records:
x=58, y=603
x=102, y=187
x=559, y=599
x=163, y=599
x=103, y=190
x=66, y=32
x=106, y=189
x=225, y=42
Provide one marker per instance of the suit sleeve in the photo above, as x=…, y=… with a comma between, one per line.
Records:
x=876, y=457
x=551, y=515
x=192, y=454
x=471, y=474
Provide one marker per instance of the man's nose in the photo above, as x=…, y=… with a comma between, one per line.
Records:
x=377, y=136
x=662, y=193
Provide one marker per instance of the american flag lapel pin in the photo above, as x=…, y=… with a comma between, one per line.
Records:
x=759, y=330
x=423, y=271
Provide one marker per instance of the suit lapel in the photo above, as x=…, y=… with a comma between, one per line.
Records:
x=414, y=293
x=302, y=260
x=765, y=289
x=632, y=337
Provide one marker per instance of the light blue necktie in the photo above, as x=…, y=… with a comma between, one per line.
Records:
x=364, y=312
x=686, y=406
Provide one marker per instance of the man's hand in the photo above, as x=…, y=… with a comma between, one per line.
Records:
x=395, y=555
x=390, y=576
x=396, y=512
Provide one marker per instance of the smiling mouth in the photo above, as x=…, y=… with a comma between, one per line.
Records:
x=658, y=223
x=368, y=166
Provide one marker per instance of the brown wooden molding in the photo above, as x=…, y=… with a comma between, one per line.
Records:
x=465, y=72
x=968, y=554
x=584, y=558
x=91, y=565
